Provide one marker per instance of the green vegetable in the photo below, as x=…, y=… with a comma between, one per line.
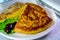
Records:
x=7, y=21
x=2, y=31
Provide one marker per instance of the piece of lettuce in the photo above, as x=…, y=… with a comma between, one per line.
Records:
x=7, y=21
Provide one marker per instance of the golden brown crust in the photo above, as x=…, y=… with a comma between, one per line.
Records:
x=10, y=10
x=13, y=7
x=33, y=20
x=32, y=32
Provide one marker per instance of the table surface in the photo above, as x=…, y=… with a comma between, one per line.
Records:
x=53, y=3
x=53, y=35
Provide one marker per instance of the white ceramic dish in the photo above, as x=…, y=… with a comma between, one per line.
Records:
x=17, y=36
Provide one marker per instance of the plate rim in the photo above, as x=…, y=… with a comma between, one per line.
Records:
x=50, y=29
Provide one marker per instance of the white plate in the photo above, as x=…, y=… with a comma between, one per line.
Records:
x=17, y=36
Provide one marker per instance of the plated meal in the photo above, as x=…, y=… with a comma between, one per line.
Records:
x=25, y=18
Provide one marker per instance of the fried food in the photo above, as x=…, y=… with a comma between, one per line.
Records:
x=10, y=11
x=10, y=15
x=33, y=20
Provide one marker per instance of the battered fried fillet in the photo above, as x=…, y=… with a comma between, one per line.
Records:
x=11, y=11
x=33, y=20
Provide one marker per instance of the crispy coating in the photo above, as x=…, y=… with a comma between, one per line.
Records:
x=33, y=20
